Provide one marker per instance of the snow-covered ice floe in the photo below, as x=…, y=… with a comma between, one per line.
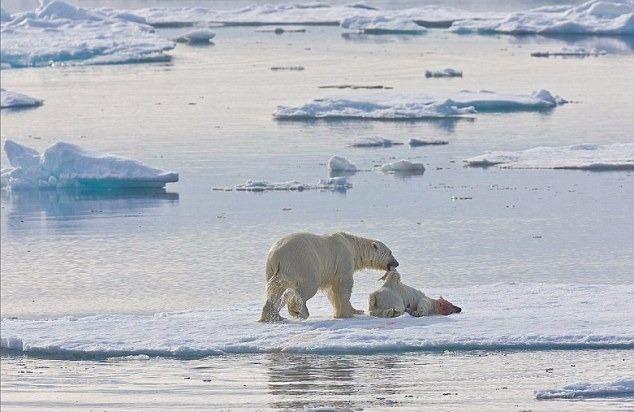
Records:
x=381, y=25
x=341, y=164
x=526, y=324
x=375, y=142
x=388, y=106
x=200, y=36
x=448, y=72
x=620, y=388
x=431, y=142
x=403, y=167
x=9, y=99
x=570, y=52
x=65, y=165
x=618, y=156
x=59, y=33
x=333, y=184
x=613, y=17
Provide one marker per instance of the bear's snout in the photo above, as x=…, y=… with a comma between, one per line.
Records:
x=392, y=264
x=457, y=309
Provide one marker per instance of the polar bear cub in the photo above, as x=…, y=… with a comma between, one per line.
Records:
x=395, y=298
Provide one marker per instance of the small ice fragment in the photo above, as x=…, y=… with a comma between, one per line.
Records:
x=340, y=164
x=448, y=72
x=290, y=68
x=419, y=142
x=620, y=388
x=201, y=36
x=403, y=166
x=375, y=142
x=570, y=52
x=10, y=99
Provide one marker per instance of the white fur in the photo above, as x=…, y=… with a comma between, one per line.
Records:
x=300, y=264
x=395, y=298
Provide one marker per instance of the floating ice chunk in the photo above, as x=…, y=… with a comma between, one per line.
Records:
x=592, y=17
x=67, y=165
x=448, y=72
x=201, y=36
x=375, y=142
x=333, y=183
x=340, y=164
x=15, y=100
x=282, y=30
x=355, y=86
x=289, y=68
x=403, y=167
x=620, y=388
x=570, y=52
x=59, y=33
x=581, y=156
x=419, y=142
x=389, y=106
x=381, y=25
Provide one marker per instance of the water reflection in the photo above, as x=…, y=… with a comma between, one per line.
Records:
x=611, y=44
x=81, y=204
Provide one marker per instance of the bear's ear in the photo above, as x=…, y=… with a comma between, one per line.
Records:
x=375, y=246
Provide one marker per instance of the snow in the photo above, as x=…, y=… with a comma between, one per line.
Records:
x=618, y=156
x=620, y=388
x=522, y=320
x=375, y=142
x=432, y=142
x=65, y=165
x=381, y=25
x=201, y=36
x=570, y=52
x=390, y=106
x=59, y=33
x=592, y=17
x=10, y=99
x=333, y=183
x=448, y=72
x=340, y=164
x=403, y=166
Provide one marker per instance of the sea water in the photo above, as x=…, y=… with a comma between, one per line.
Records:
x=153, y=296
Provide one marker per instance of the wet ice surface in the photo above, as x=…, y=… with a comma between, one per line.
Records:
x=192, y=249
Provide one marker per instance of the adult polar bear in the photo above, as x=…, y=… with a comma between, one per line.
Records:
x=300, y=264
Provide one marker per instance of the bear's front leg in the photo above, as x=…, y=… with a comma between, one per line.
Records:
x=340, y=298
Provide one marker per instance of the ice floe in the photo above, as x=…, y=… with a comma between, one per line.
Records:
x=524, y=324
x=355, y=86
x=341, y=164
x=282, y=30
x=570, y=52
x=620, y=388
x=432, y=142
x=387, y=106
x=59, y=33
x=287, y=68
x=381, y=25
x=618, y=156
x=403, y=167
x=333, y=184
x=200, y=36
x=448, y=72
x=10, y=99
x=593, y=17
x=375, y=142
x=65, y=165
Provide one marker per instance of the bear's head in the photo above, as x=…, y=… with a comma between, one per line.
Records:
x=444, y=307
x=380, y=257
x=391, y=276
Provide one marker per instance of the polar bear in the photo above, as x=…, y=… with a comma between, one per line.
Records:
x=300, y=264
x=395, y=298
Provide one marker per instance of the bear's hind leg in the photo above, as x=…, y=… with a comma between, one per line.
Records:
x=271, y=309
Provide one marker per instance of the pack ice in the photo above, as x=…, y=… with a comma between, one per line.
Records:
x=618, y=156
x=10, y=99
x=65, y=165
x=613, y=17
x=59, y=33
x=480, y=326
x=406, y=107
